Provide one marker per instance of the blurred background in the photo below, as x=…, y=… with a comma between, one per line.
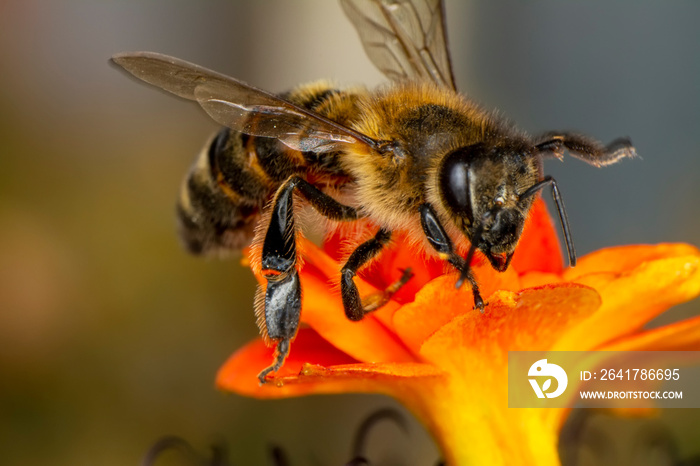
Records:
x=110, y=334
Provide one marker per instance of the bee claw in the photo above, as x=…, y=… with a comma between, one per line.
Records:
x=480, y=306
x=479, y=302
x=263, y=374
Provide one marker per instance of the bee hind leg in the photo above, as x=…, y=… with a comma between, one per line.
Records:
x=355, y=306
x=279, y=260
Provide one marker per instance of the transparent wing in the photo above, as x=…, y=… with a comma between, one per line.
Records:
x=405, y=39
x=239, y=106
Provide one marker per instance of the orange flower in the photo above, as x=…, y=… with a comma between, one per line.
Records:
x=447, y=363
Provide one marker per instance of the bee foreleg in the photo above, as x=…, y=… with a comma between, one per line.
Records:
x=441, y=242
x=279, y=259
x=356, y=307
x=585, y=148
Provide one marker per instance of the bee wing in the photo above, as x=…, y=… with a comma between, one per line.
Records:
x=405, y=39
x=239, y=106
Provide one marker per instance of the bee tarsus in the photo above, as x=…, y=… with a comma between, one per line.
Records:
x=586, y=148
x=281, y=353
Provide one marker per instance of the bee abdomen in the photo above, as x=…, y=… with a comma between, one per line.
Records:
x=236, y=175
x=221, y=198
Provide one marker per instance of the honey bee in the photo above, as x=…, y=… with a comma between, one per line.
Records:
x=415, y=156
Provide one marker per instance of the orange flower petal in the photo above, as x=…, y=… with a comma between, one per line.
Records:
x=240, y=372
x=460, y=385
x=342, y=238
x=473, y=350
x=439, y=302
x=400, y=380
x=327, y=269
x=314, y=366
x=679, y=336
x=538, y=249
x=535, y=279
x=529, y=321
x=316, y=256
x=625, y=258
x=631, y=299
x=400, y=255
x=368, y=340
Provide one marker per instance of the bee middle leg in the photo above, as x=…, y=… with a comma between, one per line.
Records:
x=356, y=307
x=279, y=257
x=441, y=242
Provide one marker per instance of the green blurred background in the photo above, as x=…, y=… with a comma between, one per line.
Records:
x=110, y=335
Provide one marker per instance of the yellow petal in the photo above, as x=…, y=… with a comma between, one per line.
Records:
x=473, y=349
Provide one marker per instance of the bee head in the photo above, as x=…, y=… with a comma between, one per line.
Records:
x=480, y=187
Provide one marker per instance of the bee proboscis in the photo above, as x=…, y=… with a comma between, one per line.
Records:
x=416, y=156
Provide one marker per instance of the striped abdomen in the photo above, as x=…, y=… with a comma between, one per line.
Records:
x=235, y=176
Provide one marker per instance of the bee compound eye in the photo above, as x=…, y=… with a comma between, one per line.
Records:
x=454, y=183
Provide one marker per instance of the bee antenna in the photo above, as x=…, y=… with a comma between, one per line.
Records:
x=561, y=210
